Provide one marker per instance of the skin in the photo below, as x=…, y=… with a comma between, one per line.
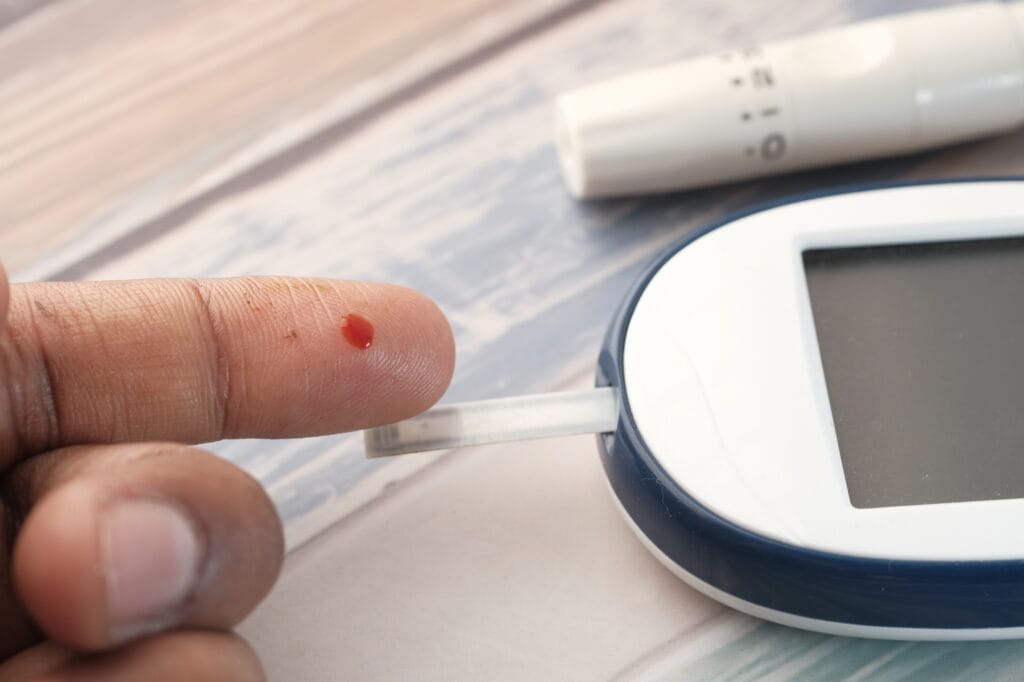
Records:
x=104, y=385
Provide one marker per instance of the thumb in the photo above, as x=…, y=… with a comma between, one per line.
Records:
x=5, y=296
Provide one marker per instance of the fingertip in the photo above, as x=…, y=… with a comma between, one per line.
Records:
x=57, y=568
x=194, y=655
x=5, y=294
x=435, y=344
x=350, y=385
x=143, y=538
x=304, y=357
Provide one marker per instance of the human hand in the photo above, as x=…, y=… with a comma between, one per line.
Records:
x=127, y=555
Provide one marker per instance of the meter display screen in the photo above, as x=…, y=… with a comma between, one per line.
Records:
x=922, y=347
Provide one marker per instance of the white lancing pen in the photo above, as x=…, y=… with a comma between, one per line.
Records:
x=893, y=85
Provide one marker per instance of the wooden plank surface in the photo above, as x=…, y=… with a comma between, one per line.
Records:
x=509, y=563
x=112, y=113
x=12, y=11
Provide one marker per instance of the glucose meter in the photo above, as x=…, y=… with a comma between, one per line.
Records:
x=822, y=411
x=814, y=412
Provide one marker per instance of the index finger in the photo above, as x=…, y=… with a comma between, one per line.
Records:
x=200, y=360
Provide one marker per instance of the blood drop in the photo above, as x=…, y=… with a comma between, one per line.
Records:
x=357, y=330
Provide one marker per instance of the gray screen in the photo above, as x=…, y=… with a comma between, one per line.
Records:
x=923, y=351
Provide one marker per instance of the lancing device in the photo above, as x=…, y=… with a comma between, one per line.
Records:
x=883, y=87
x=814, y=413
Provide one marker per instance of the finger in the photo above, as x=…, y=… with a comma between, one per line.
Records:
x=185, y=655
x=5, y=296
x=124, y=540
x=196, y=361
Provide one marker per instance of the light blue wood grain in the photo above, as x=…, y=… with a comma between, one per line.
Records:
x=774, y=652
x=12, y=11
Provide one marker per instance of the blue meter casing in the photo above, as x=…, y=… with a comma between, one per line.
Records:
x=822, y=411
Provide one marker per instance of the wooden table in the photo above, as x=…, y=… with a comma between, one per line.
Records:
x=410, y=142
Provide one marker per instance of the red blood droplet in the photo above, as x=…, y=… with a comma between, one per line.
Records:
x=357, y=330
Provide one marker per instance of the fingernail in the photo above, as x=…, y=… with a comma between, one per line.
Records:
x=151, y=556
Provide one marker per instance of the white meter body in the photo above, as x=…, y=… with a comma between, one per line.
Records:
x=822, y=411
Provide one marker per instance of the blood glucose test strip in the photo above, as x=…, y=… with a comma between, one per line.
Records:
x=497, y=421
